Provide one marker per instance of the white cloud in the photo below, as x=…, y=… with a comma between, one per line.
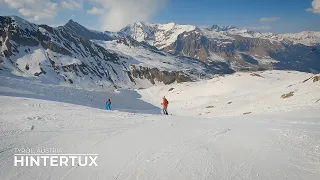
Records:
x=114, y=14
x=259, y=28
x=315, y=7
x=72, y=4
x=120, y=13
x=14, y=3
x=95, y=10
x=35, y=9
x=269, y=19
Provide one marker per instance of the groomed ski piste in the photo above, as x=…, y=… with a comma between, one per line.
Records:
x=263, y=125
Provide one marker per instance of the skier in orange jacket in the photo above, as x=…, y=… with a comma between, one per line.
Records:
x=165, y=105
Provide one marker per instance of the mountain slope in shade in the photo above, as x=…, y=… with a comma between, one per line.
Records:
x=55, y=55
x=80, y=30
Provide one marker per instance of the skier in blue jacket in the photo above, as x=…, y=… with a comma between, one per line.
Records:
x=108, y=105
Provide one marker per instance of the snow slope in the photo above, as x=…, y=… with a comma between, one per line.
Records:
x=141, y=144
x=92, y=97
x=239, y=93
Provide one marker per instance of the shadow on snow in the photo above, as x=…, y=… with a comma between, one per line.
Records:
x=124, y=100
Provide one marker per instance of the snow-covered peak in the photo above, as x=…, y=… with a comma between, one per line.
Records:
x=222, y=28
x=138, y=24
x=233, y=30
x=213, y=33
x=165, y=27
x=159, y=35
x=306, y=37
x=226, y=32
x=174, y=27
x=166, y=34
x=140, y=31
x=80, y=30
x=215, y=27
x=243, y=33
x=72, y=23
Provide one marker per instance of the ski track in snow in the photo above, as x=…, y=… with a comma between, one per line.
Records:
x=133, y=144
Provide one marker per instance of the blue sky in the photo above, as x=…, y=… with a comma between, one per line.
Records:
x=243, y=13
x=279, y=16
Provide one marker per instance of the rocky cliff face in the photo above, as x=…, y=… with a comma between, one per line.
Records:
x=70, y=54
x=247, y=52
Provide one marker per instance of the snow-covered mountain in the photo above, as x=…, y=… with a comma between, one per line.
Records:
x=241, y=48
x=72, y=53
x=308, y=38
x=163, y=35
x=143, y=54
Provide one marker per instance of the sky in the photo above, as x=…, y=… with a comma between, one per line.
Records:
x=277, y=16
